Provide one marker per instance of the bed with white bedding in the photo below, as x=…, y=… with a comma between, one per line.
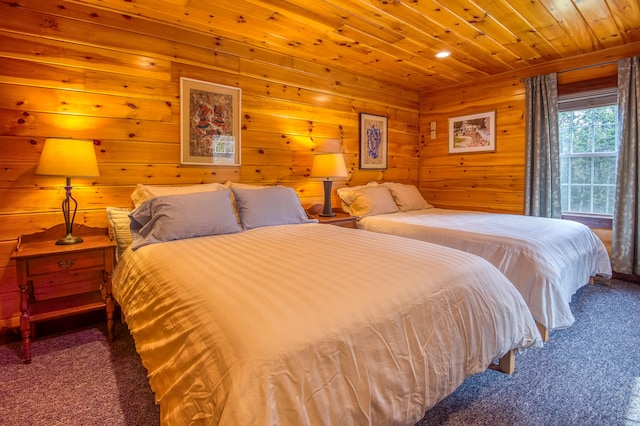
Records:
x=306, y=324
x=548, y=260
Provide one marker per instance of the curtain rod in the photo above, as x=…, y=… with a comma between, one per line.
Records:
x=581, y=68
x=588, y=66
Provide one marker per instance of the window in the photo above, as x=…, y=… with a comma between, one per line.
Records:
x=588, y=152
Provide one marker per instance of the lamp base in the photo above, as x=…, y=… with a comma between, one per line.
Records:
x=68, y=240
x=327, y=212
x=68, y=217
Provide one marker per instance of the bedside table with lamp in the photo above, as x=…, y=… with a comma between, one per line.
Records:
x=72, y=274
x=329, y=166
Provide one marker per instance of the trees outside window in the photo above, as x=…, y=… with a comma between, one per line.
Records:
x=588, y=155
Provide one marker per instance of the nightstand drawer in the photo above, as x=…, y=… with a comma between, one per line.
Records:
x=65, y=262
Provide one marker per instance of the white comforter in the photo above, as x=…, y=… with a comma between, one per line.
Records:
x=313, y=325
x=546, y=259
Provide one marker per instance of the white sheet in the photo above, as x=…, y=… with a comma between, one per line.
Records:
x=548, y=260
x=313, y=324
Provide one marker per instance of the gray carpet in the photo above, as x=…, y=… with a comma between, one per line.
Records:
x=588, y=374
x=76, y=378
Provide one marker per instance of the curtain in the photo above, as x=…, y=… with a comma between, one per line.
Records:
x=625, y=250
x=542, y=145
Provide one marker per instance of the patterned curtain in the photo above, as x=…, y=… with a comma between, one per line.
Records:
x=542, y=144
x=625, y=250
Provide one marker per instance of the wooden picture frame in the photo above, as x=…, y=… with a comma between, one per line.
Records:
x=210, y=120
x=473, y=133
x=374, y=143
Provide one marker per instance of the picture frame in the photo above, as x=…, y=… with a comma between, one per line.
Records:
x=374, y=143
x=472, y=133
x=210, y=119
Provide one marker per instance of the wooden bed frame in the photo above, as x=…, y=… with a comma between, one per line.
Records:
x=544, y=332
x=506, y=364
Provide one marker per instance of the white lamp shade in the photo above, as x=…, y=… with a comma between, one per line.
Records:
x=328, y=166
x=68, y=157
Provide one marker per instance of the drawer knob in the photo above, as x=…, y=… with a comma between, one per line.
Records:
x=66, y=263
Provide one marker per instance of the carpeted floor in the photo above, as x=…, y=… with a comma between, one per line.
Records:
x=76, y=378
x=588, y=374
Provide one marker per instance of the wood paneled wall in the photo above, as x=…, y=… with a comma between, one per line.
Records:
x=495, y=181
x=71, y=71
x=474, y=181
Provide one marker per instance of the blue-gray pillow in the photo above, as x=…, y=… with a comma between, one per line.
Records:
x=275, y=205
x=175, y=217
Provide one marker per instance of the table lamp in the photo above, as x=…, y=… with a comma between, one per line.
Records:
x=69, y=158
x=328, y=166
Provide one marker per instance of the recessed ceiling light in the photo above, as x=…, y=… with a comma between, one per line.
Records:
x=443, y=54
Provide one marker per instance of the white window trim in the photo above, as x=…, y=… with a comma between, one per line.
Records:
x=587, y=100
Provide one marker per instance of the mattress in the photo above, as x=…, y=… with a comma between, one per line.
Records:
x=548, y=260
x=313, y=324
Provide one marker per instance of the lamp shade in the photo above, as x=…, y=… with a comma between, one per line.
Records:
x=68, y=157
x=328, y=165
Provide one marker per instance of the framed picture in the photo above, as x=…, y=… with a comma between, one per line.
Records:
x=373, y=142
x=209, y=123
x=472, y=133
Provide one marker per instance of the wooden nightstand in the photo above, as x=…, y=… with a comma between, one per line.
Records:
x=340, y=219
x=60, y=280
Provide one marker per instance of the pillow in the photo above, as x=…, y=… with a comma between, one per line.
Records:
x=407, y=197
x=369, y=201
x=346, y=193
x=345, y=189
x=120, y=226
x=143, y=193
x=238, y=185
x=274, y=205
x=175, y=217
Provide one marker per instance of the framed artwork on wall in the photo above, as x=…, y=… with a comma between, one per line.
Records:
x=209, y=123
x=374, y=142
x=472, y=133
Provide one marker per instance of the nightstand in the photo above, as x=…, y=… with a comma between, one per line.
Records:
x=61, y=280
x=340, y=219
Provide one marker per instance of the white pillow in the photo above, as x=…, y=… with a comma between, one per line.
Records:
x=238, y=185
x=120, y=226
x=143, y=193
x=346, y=193
x=407, y=197
x=369, y=201
x=275, y=205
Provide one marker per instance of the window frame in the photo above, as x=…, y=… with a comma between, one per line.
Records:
x=574, y=101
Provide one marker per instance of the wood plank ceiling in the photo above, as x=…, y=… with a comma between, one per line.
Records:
x=395, y=41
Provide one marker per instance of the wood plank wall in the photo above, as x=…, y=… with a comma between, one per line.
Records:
x=474, y=181
x=495, y=181
x=71, y=71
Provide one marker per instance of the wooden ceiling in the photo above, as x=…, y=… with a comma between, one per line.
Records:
x=395, y=41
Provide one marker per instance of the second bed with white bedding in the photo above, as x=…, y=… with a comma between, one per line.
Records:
x=546, y=259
